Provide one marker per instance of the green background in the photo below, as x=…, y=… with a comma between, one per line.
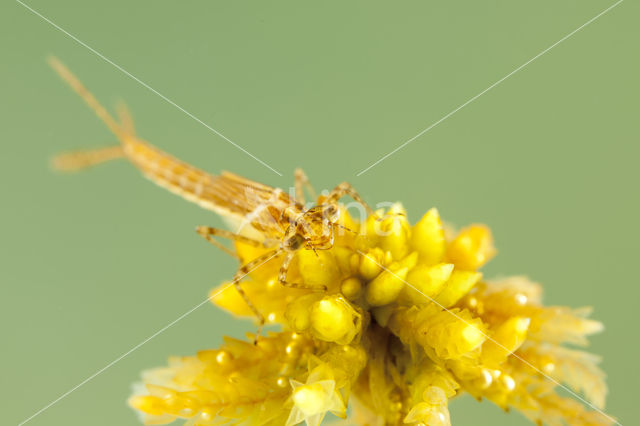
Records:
x=94, y=263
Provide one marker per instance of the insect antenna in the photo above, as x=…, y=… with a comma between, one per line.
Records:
x=126, y=120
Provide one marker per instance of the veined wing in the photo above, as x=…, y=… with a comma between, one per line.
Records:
x=247, y=206
x=251, y=207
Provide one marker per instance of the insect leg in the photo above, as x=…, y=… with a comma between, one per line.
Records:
x=82, y=159
x=242, y=272
x=301, y=182
x=79, y=88
x=74, y=161
x=282, y=276
x=126, y=121
x=345, y=188
x=208, y=233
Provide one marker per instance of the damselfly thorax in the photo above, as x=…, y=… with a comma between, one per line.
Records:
x=259, y=214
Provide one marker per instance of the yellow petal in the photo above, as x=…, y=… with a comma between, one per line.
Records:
x=386, y=287
x=472, y=248
x=425, y=282
x=506, y=339
x=457, y=287
x=427, y=237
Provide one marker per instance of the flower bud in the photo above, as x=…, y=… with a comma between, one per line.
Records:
x=386, y=287
x=351, y=288
x=298, y=312
x=472, y=248
x=457, y=287
x=425, y=282
x=452, y=333
x=425, y=413
x=505, y=340
x=427, y=237
x=394, y=231
x=333, y=319
x=370, y=263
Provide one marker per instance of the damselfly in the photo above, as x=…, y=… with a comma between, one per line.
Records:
x=262, y=215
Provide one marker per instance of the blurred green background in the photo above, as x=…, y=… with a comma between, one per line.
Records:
x=94, y=263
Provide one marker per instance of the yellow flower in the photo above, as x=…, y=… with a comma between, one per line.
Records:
x=407, y=323
x=333, y=319
x=313, y=399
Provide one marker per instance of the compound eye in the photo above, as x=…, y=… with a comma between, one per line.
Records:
x=332, y=212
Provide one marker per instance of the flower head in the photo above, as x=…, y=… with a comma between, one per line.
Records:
x=406, y=324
